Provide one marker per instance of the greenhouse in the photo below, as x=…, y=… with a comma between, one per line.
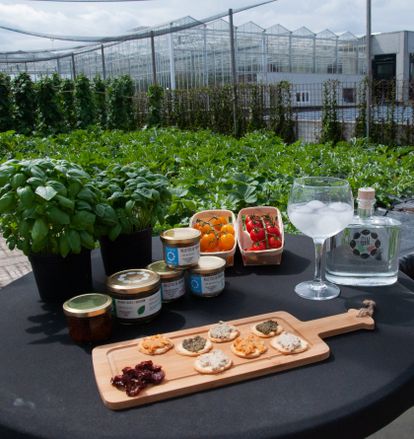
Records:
x=188, y=53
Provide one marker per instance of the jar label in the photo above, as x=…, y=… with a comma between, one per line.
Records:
x=365, y=243
x=137, y=308
x=181, y=256
x=208, y=284
x=173, y=290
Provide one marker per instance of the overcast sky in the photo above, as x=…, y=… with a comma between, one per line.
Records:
x=105, y=19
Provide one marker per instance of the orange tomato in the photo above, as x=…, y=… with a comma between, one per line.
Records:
x=227, y=228
x=218, y=221
x=226, y=241
x=208, y=242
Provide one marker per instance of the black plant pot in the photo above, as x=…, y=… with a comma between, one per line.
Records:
x=59, y=278
x=127, y=251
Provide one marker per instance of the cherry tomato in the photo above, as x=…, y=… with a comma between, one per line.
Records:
x=257, y=235
x=226, y=241
x=274, y=242
x=227, y=228
x=273, y=230
x=218, y=221
x=205, y=227
x=258, y=246
x=208, y=242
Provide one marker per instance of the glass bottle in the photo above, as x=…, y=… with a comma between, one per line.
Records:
x=366, y=252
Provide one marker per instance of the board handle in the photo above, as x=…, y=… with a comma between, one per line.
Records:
x=339, y=324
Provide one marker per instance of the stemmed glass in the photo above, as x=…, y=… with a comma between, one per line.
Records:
x=320, y=207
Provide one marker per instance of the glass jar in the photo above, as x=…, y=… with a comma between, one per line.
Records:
x=207, y=278
x=181, y=247
x=89, y=317
x=172, y=281
x=136, y=295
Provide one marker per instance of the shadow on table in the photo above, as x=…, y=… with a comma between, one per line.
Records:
x=291, y=264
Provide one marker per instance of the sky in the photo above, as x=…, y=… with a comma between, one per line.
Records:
x=107, y=19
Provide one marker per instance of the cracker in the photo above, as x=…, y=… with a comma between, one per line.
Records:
x=288, y=343
x=271, y=333
x=155, y=345
x=180, y=349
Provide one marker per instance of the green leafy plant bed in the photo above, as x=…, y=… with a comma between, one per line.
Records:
x=207, y=170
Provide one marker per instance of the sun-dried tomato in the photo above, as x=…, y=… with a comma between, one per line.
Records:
x=135, y=379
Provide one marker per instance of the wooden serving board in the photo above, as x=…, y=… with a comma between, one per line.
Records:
x=180, y=376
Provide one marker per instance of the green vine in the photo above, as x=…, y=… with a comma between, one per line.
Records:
x=331, y=127
x=24, y=104
x=6, y=122
x=84, y=103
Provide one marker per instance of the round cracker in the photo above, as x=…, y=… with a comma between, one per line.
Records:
x=158, y=351
x=233, y=334
x=180, y=349
x=275, y=344
x=209, y=370
x=271, y=334
x=254, y=354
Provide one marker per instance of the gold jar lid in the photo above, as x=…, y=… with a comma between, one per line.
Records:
x=164, y=270
x=183, y=235
x=87, y=305
x=133, y=281
x=209, y=264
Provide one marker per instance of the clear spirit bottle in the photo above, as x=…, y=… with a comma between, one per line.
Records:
x=366, y=252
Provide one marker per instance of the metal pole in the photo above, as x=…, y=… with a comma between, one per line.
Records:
x=233, y=72
x=154, y=67
x=172, y=59
x=73, y=66
x=369, y=70
x=103, y=62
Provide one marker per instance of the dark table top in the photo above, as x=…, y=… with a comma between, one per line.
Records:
x=48, y=390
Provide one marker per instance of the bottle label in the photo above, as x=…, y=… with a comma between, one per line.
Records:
x=137, y=308
x=205, y=285
x=173, y=290
x=365, y=244
x=182, y=256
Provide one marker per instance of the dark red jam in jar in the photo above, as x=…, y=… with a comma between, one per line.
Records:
x=89, y=317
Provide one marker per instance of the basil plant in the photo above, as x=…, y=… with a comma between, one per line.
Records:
x=138, y=197
x=51, y=207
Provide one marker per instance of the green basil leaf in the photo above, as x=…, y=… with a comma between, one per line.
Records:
x=64, y=245
x=87, y=239
x=65, y=202
x=57, y=216
x=39, y=230
x=74, y=241
x=26, y=196
x=46, y=192
x=83, y=219
x=6, y=202
x=18, y=180
x=115, y=232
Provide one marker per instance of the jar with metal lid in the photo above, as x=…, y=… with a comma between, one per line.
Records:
x=89, y=317
x=207, y=278
x=181, y=247
x=172, y=281
x=136, y=295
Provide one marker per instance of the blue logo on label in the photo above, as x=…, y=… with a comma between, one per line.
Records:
x=196, y=284
x=171, y=255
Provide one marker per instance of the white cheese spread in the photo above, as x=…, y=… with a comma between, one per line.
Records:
x=214, y=360
x=289, y=341
x=222, y=331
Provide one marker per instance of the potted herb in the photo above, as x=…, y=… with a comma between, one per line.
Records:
x=139, y=198
x=49, y=211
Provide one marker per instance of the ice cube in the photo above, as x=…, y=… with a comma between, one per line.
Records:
x=315, y=204
x=338, y=206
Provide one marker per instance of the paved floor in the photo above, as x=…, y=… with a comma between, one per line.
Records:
x=13, y=264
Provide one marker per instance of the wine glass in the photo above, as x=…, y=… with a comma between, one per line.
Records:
x=320, y=207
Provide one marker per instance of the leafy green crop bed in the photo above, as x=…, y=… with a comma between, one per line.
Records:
x=208, y=170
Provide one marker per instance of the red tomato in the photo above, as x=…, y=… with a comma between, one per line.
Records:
x=274, y=242
x=273, y=230
x=257, y=234
x=258, y=246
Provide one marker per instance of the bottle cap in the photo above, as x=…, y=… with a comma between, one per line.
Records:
x=366, y=193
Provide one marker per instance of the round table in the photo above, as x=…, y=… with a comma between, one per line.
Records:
x=48, y=390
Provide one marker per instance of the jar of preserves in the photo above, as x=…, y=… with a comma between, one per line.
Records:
x=207, y=278
x=89, y=317
x=136, y=295
x=181, y=247
x=172, y=281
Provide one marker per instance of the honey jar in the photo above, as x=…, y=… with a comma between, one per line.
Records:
x=89, y=317
x=181, y=247
x=136, y=295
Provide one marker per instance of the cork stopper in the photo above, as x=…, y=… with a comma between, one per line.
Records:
x=366, y=194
